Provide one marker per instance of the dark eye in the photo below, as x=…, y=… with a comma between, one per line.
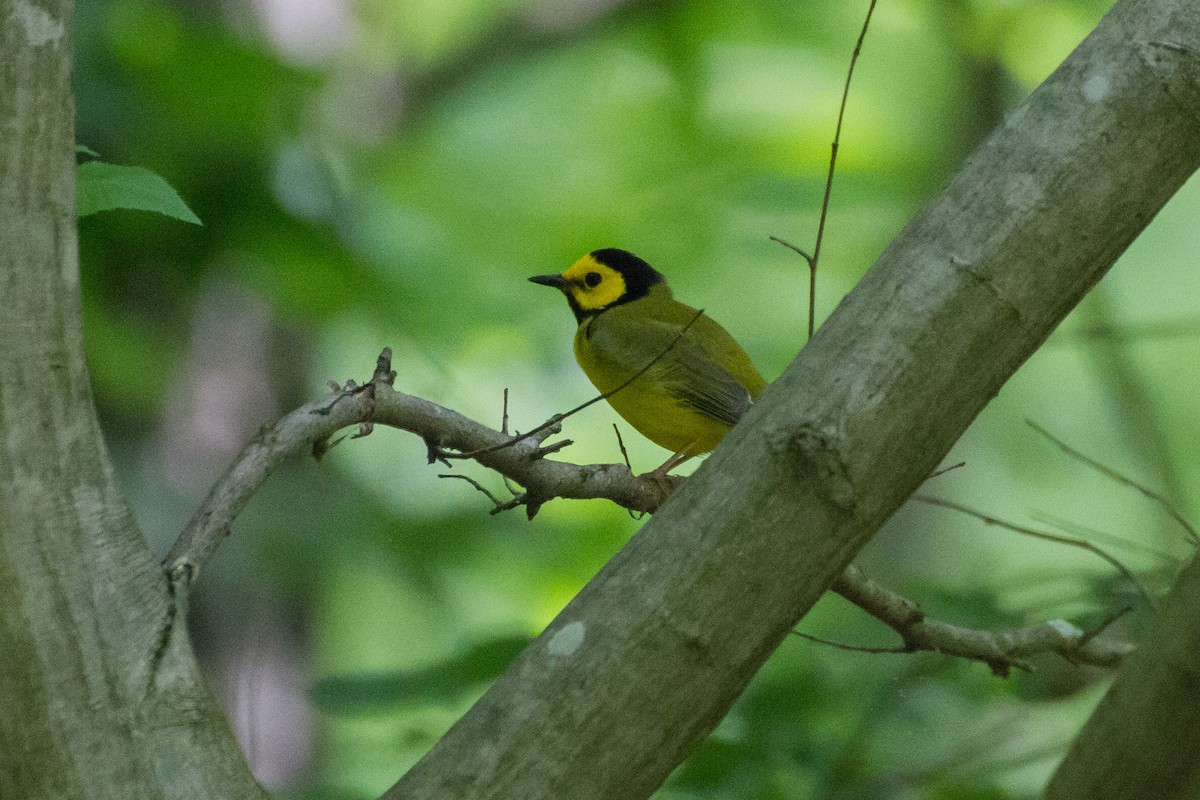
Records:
x=592, y=279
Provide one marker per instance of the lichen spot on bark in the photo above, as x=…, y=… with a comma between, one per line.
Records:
x=1096, y=87
x=567, y=639
x=40, y=28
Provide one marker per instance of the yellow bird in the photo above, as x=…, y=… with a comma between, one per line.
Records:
x=694, y=393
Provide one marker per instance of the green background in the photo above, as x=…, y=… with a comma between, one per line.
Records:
x=374, y=174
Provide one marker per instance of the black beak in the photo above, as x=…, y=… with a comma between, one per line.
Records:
x=557, y=281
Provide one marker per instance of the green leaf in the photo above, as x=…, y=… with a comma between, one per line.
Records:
x=103, y=187
x=85, y=150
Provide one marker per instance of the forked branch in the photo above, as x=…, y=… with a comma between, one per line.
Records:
x=310, y=428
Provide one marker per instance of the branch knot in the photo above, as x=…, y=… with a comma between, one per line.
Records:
x=816, y=457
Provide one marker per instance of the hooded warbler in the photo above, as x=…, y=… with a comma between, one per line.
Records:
x=697, y=389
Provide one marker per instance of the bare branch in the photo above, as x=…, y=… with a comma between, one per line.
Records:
x=854, y=648
x=309, y=428
x=1000, y=650
x=940, y=472
x=800, y=252
x=625, y=457
x=376, y=402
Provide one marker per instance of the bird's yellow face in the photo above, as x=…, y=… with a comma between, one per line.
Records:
x=605, y=278
x=593, y=285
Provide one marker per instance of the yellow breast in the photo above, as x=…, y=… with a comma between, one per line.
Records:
x=691, y=395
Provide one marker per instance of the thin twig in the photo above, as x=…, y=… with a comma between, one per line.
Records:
x=554, y=447
x=939, y=473
x=635, y=515
x=1049, y=537
x=795, y=249
x=473, y=482
x=1112, y=474
x=1000, y=650
x=837, y=137
x=1096, y=535
x=1104, y=625
x=497, y=506
x=557, y=419
x=853, y=647
x=621, y=445
x=504, y=414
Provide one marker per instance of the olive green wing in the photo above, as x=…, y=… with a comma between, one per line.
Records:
x=709, y=388
x=689, y=370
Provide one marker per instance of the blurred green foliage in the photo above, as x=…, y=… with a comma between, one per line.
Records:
x=375, y=174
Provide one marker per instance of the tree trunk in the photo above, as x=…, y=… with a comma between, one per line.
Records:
x=101, y=697
x=1143, y=741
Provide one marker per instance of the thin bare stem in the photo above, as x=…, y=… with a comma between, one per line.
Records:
x=497, y=506
x=625, y=455
x=939, y=473
x=1094, y=534
x=621, y=445
x=557, y=419
x=1070, y=541
x=1105, y=624
x=1112, y=474
x=795, y=249
x=852, y=647
x=479, y=486
x=833, y=151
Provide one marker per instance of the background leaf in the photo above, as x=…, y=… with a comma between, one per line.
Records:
x=105, y=187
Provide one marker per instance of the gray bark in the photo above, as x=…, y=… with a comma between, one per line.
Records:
x=99, y=698
x=1143, y=740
